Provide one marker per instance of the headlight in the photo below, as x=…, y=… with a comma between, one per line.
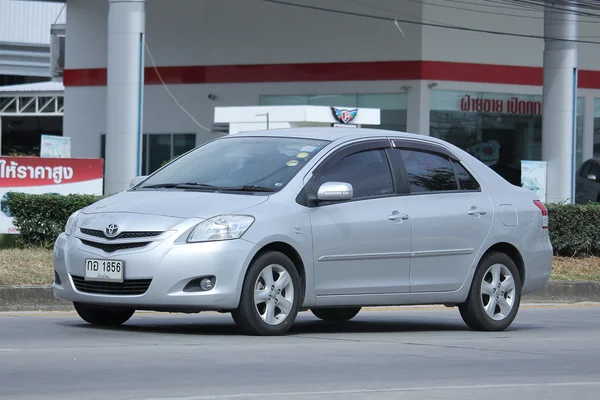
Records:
x=71, y=223
x=223, y=227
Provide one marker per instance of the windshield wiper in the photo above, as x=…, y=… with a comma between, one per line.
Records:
x=249, y=188
x=195, y=185
x=187, y=185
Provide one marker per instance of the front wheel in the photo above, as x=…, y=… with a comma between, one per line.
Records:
x=270, y=296
x=495, y=294
x=104, y=316
x=336, y=314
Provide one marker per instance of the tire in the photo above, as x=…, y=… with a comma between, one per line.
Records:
x=103, y=316
x=336, y=314
x=473, y=311
x=253, y=315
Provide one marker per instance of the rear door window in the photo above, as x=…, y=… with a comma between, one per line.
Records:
x=466, y=181
x=428, y=171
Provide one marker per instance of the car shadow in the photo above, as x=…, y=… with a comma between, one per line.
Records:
x=305, y=325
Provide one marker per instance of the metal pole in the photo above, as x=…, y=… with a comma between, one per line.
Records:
x=0, y=136
x=560, y=100
x=124, y=92
x=264, y=115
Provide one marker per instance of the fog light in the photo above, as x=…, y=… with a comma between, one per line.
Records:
x=207, y=283
x=56, y=278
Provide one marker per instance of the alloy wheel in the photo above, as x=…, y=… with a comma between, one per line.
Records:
x=273, y=294
x=498, y=292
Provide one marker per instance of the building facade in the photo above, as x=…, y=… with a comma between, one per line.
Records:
x=425, y=64
x=30, y=104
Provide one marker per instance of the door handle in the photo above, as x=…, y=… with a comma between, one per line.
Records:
x=396, y=216
x=476, y=211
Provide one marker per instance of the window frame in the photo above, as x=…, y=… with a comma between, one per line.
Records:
x=308, y=195
x=440, y=151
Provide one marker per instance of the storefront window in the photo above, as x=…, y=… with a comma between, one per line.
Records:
x=159, y=148
x=596, y=128
x=392, y=105
x=499, y=129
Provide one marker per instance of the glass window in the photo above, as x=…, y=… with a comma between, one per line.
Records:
x=393, y=106
x=499, y=129
x=183, y=143
x=596, y=128
x=466, y=181
x=428, y=172
x=367, y=171
x=234, y=162
x=158, y=149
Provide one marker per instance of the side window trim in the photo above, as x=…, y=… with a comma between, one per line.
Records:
x=428, y=147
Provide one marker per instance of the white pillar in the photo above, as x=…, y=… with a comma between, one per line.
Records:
x=560, y=100
x=124, y=92
x=417, y=119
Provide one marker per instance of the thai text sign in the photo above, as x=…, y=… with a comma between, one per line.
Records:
x=61, y=176
x=513, y=105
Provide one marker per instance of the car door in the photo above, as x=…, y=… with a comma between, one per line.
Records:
x=451, y=216
x=363, y=245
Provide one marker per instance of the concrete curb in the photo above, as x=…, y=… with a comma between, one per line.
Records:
x=31, y=298
x=41, y=298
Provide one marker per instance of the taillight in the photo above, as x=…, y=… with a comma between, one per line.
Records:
x=544, y=211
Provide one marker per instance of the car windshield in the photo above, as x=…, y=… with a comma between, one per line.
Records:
x=238, y=163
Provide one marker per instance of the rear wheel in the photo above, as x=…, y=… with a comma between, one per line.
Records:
x=270, y=296
x=105, y=316
x=495, y=294
x=336, y=314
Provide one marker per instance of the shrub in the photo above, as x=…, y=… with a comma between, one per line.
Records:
x=575, y=229
x=40, y=218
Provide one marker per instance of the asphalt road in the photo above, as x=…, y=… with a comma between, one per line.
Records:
x=412, y=353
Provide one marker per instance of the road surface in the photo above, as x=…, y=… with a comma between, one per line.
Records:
x=550, y=352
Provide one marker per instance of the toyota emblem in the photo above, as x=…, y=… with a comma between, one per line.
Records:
x=112, y=230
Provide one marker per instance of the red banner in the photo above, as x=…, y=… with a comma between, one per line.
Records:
x=35, y=171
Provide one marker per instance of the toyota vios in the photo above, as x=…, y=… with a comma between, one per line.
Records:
x=266, y=224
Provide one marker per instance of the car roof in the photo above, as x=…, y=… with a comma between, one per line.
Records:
x=329, y=133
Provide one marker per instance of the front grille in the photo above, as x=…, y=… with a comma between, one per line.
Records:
x=130, y=287
x=112, y=247
x=122, y=235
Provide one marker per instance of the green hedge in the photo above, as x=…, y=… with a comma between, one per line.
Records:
x=41, y=218
x=574, y=229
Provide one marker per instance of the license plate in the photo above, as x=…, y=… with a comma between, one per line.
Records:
x=104, y=270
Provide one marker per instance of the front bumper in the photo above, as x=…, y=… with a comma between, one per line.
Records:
x=166, y=265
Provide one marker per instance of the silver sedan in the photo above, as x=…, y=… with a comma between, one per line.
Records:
x=265, y=224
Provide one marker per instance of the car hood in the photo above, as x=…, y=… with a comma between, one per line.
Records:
x=174, y=203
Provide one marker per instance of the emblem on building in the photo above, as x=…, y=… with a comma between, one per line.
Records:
x=344, y=116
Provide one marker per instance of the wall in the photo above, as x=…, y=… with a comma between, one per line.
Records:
x=27, y=22
x=463, y=46
x=209, y=33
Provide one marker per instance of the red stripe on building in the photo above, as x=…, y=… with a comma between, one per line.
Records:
x=329, y=72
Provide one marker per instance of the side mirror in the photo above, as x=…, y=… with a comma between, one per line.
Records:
x=137, y=180
x=592, y=177
x=335, y=191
